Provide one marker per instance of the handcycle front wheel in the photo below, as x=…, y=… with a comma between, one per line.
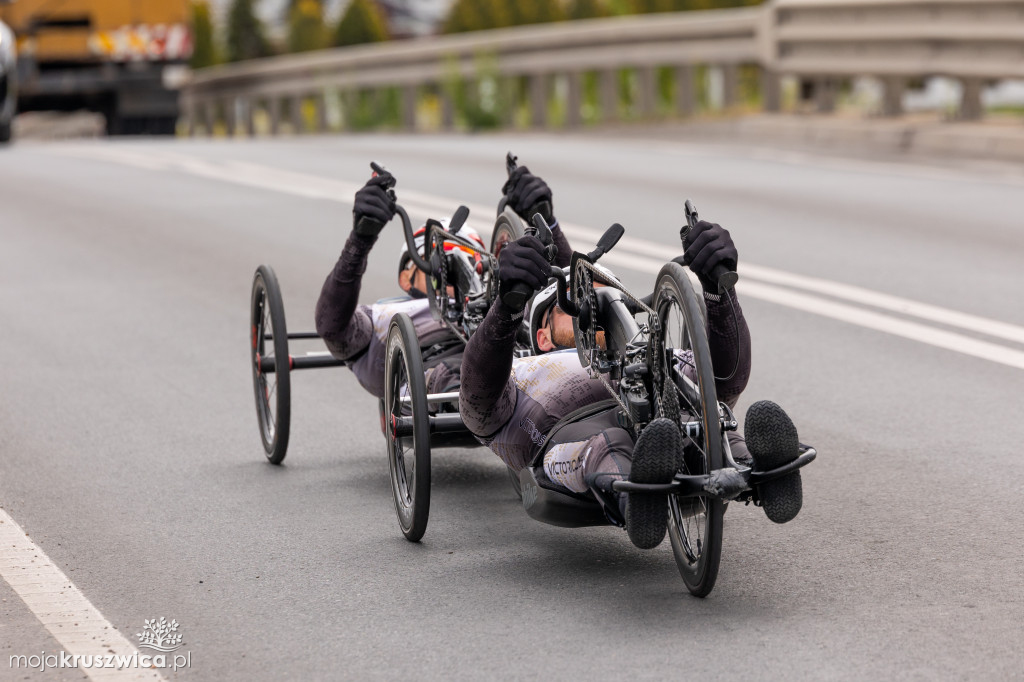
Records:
x=694, y=523
x=407, y=427
x=268, y=356
x=507, y=228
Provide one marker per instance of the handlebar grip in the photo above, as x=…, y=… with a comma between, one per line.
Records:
x=458, y=220
x=724, y=277
x=607, y=242
x=543, y=207
x=518, y=296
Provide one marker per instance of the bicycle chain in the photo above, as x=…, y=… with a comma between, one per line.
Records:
x=654, y=337
x=491, y=262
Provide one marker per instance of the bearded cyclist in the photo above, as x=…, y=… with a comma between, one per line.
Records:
x=357, y=333
x=510, y=404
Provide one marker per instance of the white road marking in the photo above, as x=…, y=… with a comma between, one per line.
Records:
x=846, y=313
x=61, y=608
x=756, y=281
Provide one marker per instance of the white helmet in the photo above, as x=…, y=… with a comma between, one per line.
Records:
x=548, y=296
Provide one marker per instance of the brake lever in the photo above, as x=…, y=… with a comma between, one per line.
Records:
x=389, y=183
x=723, y=277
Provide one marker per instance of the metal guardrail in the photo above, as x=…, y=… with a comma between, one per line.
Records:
x=821, y=40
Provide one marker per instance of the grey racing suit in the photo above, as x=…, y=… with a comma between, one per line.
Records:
x=510, y=404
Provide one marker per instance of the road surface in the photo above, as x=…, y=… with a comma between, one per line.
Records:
x=887, y=317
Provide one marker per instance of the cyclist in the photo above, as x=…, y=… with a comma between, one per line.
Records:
x=357, y=333
x=512, y=404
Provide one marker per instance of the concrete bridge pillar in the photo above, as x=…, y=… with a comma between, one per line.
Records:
x=609, y=95
x=685, y=102
x=274, y=112
x=410, y=94
x=730, y=85
x=971, y=108
x=574, y=100
x=539, y=100
x=826, y=91
x=646, y=91
x=295, y=106
x=892, y=95
x=771, y=91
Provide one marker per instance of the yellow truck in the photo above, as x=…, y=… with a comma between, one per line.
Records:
x=121, y=58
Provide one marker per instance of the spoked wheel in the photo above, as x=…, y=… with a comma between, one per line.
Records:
x=269, y=360
x=508, y=228
x=695, y=523
x=407, y=427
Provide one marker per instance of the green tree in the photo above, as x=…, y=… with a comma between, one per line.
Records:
x=476, y=15
x=361, y=23
x=522, y=12
x=246, y=37
x=204, y=51
x=588, y=9
x=306, y=29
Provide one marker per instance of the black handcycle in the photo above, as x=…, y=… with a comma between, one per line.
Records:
x=461, y=286
x=652, y=354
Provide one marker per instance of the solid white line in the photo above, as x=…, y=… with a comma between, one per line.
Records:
x=60, y=607
x=311, y=186
x=845, y=313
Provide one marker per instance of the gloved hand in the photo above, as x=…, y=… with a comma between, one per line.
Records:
x=373, y=208
x=522, y=262
x=528, y=194
x=708, y=245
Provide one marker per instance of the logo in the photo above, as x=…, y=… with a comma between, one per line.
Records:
x=531, y=429
x=529, y=495
x=160, y=635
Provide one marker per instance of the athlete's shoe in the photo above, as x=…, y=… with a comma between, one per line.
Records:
x=772, y=441
x=654, y=461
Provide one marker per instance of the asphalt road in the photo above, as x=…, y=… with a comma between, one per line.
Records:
x=129, y=450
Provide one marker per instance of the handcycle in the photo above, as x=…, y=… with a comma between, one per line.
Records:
x=461, y=286
x=661, y=367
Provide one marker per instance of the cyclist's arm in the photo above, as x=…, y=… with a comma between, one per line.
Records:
x=729, y=341
x=346, y=327
x=487, y=397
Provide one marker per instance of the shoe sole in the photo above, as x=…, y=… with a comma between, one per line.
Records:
x=772, y=441
x=654, y=461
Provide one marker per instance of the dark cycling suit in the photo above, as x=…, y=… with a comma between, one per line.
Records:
x=511, y=404
x=358, y=333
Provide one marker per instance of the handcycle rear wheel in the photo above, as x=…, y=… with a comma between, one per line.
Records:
x=273, y=395
x=695, y=523
x=405, y=402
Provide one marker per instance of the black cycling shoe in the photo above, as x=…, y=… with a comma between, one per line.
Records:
x=772, y=441
x=654, y=461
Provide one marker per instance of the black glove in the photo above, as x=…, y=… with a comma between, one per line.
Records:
x=708, y=245
x=527, y=194
x=522, y=262
x=373, y=207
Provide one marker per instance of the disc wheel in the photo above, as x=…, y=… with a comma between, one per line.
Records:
x=507, y=228
x=405, y=410
x=695, y=523
x=271, y=380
